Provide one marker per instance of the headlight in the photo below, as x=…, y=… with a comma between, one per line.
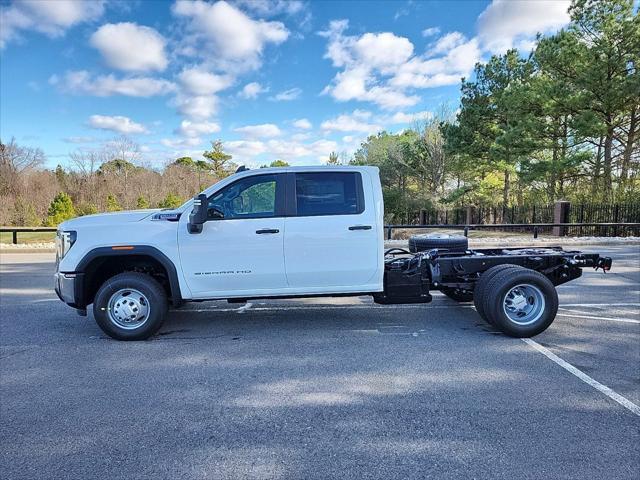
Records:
x=64, y=242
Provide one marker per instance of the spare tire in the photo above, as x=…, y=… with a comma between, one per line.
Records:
x=442, y=241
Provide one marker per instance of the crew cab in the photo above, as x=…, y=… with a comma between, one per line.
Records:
x=292, y=232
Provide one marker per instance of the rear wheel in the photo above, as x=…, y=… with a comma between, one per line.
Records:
x=481, y=287
x=457, y=294
x=130, y=306
x=520, y=302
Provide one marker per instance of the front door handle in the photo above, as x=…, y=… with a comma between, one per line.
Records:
x=267, y=230
x=360, y=227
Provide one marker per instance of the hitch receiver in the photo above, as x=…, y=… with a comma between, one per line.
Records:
x=604, y=263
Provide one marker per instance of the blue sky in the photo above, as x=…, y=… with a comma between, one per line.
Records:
x=272, y=79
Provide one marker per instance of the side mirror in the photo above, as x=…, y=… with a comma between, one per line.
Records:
x=198, y=215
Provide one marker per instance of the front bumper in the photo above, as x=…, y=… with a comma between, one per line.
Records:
x=67, y=287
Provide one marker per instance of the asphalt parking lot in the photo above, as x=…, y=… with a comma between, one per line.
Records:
x=321, y=388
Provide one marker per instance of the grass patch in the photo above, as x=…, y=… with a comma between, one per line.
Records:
x=28, y=237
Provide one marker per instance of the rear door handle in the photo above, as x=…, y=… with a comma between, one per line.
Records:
x=360, y=227
x=267, y=230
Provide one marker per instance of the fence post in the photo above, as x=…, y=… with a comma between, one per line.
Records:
x=560, y=215
x=423, y=216
x=15, y=237
x=389, y=233
x=470, y=214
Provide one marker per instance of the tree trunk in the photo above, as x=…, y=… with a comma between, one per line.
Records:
x=628, y=148
x=608, y=159
x=563, y=157
x=596, y=170
x=552, y=178
x=507, y=185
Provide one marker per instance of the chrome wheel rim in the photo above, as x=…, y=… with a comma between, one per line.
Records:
x=128, y=308
x=524, y=304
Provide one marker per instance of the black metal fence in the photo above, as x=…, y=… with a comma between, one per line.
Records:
x=15, y=230
x=578, y=214
x=533, y=228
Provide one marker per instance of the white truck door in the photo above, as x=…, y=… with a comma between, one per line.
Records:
x=332, y=242
x=239, y=251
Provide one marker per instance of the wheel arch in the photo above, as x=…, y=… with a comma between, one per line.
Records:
x=104, y=262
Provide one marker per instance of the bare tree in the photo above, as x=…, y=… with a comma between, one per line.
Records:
x=14, y=161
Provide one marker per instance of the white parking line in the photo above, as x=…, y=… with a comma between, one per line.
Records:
x=626, y=403
x=601, y=304
x=608, y=319
x=244, y=307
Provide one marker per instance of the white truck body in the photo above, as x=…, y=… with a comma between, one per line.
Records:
x=293, y=232
x=300, y=255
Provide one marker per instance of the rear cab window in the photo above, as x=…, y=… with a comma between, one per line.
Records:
x=329, y=193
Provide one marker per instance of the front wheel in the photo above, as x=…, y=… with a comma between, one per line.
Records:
x=130, y=306
x=520, y=302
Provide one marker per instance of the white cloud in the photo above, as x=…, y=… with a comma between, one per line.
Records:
x=447, y=42
x=195, y=129
x=265, y=130
x=505, y=23
x=382, y=50
x=47, y=17
x=270, y=8
x=401, y=117
x=79, y=139
x=226, y=36
x=131, y=47
x=198, y=82
x=117, y=124
x=435, y=71
x=429, y=32
x=303, y=124
x=81, y=82
x=244, y=149
x=287, y=95
x=197, y=108
x=367, y=62
x=178, y=143
x=354, y=122
x=294, y=152
x=252, y=90
x=196, y=99
x=383, y=69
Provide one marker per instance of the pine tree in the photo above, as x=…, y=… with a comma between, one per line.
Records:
x=170, y=201
x=61, y=209
x=219, y=161
x=142, y=202
x=112, y=203
x=86, y=209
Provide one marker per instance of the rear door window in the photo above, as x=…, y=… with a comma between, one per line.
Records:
x=329, y=193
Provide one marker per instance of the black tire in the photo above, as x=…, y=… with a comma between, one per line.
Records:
x=457, y=294
x=153, y=297
x=543, y=310
x=452, y=243
x=481, y=287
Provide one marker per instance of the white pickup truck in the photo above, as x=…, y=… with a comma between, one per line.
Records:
x=292, y=232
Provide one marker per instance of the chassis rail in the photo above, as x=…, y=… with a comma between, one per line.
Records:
x=410, y=276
